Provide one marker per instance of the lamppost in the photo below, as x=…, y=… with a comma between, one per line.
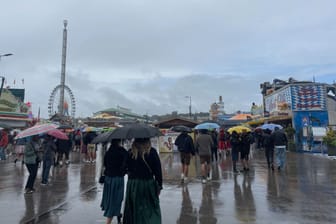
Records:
x=189, y=105
x=3, y=78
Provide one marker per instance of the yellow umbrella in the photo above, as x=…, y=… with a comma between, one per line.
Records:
x=238, y=129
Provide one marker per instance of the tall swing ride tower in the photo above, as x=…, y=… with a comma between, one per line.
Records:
x=62, y=100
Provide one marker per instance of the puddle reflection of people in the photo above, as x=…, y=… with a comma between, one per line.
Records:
x=277, y=191
x=30, y=209
x=206, y=210
x=188, y=214
x=249, y=204
x=244, y=200
x=215, y=177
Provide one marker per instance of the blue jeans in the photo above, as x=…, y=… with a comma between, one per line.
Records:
x=2, y=153
x=280, y=155
x=45, y=170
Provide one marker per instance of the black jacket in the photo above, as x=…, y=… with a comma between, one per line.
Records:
x=185, y=143
x=279, y=138
x=115, y=162
x=137, y=168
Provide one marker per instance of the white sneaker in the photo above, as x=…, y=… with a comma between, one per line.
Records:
x=182, y=176
x=208, y=178
x=203, y=181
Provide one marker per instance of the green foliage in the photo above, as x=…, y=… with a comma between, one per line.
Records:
x=330, y=138
x=290, y=132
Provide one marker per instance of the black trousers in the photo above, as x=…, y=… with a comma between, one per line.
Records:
x=214, y=154
x=32, y=169
x=269, y=154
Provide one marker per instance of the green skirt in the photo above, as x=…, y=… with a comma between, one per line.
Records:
x=142, y=205
x=113, y=194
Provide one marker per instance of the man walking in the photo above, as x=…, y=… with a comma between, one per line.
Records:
x=203, y=147
x=185, y=146
x=279, y=139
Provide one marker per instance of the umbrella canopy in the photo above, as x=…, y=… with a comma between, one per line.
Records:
x=207, y=126
x=102, y=138
x=181, y=128
x=58, y=134
x=270, y=126
x=36, y=130
x=238, y=129
x=134, y=131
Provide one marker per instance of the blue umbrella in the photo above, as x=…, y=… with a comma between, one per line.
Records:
x=207, y=126
x=270, y=126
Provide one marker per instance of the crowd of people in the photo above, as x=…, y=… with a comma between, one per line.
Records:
x=141, y=163
x=211, y=145
x=45, y=151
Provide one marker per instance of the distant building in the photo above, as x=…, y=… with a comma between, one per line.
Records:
x=13, y=111
x=114, y=116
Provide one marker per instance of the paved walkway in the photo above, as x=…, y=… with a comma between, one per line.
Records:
x=304, y=193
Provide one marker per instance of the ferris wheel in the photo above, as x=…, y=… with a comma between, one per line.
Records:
x=69, y=101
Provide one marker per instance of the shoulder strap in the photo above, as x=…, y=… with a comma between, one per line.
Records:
x=150, y=170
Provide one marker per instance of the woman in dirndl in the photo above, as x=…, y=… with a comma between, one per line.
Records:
x=142, y=205
x=115, y=170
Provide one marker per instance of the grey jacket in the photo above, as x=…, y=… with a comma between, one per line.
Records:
x=203, y=144
x=30, y=154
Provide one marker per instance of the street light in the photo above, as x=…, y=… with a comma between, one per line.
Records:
x=189, y=105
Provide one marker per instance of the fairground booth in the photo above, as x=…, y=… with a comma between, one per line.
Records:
x=309, y=107
x=166, y=142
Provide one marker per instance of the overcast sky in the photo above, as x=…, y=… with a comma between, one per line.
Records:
x=147, y=55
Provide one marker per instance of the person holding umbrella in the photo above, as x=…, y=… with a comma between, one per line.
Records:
x=144, y=184
x=31, y=160
x=280, y=142
x=185, y=145
x=49, y=150
x=203, y=145
x=115, y=170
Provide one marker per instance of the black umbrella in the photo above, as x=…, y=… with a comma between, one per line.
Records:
x=134, y=131
x=102, y=138
x=181, y=128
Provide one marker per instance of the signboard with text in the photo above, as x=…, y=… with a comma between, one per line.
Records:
x=279, y=103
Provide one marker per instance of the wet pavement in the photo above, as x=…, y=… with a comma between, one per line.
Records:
x=303, y=193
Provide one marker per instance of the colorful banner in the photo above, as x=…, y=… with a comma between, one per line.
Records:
x=308, y=97
x=166, y=142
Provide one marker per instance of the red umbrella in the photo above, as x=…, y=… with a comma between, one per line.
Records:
x=58, y=134
x=36, y=130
